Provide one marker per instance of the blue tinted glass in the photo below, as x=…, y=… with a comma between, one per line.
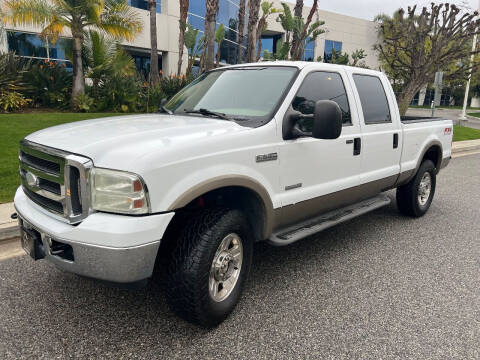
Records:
x=267, y=44
x=197, y=7
x=227, y=14
x=31, y=45
x=196, y=22
x=143, y=4
x=337, y=46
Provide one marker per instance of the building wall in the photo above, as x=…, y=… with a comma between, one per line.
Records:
x=353, y=33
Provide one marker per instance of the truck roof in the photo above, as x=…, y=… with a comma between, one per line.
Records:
x=303, y=64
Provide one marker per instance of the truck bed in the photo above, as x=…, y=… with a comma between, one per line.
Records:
x=418, y=119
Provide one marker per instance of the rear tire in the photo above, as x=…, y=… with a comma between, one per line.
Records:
x=414, y=199
x=214, y=251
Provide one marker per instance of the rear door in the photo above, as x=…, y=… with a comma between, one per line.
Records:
x=381, y=130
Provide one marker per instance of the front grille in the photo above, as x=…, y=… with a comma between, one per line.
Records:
x=45, y=202
x=40, y=164
x=55, y=180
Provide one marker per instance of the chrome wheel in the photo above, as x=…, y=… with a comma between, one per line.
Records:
x=226, y=267
x=424, y=189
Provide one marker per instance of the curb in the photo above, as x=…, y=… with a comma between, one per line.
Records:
x=10, y=229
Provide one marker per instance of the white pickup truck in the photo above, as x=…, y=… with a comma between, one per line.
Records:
x=255, y=152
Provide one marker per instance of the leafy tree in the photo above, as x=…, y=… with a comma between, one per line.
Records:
x=219, y=37
x=184, y=4
x=298, y=33
x=104, y=57
x=413, y=46
x=210, y=24
x=194, y=47
x=267, y=10
x=114, y=17
x=355, y=59
x=154, y=74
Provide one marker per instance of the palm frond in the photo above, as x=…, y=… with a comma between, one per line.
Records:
x=55, y=28
x=30, y=12
x=120, y=20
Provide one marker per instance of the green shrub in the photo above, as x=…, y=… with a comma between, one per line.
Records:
x=172, y=84
x=12, y=101
x=49, y=84
x=83, y=103
x=121, y=94
x=12, y=70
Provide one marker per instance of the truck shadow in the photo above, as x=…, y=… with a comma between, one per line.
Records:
x=98, y=314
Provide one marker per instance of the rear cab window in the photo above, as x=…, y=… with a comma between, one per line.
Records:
x=373, y=99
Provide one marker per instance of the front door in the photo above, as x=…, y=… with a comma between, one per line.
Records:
x=320, y=175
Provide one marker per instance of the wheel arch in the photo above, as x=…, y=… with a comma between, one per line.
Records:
x=236, y=191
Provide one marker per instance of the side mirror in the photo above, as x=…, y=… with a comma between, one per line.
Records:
x=327, y=120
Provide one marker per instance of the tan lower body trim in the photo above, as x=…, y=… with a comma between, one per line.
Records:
x=292, y=214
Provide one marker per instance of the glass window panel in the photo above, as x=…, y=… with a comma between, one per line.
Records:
x=196, y=22
x=321, y=86
x=197, y=7
x=373, y=98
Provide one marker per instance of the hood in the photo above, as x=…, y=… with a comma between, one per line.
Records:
x=124, y=139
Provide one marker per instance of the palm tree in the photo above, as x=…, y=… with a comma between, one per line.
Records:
x=154, y=74
x=267, y=10
x=114, y=17
x=210, y=22
x=253, y=9
x=219, y=37
x=241, y=27
x=184, y=4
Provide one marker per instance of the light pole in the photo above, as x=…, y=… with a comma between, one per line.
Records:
x=467, y=89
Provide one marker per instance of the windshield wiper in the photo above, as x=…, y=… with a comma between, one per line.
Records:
x=207, y=112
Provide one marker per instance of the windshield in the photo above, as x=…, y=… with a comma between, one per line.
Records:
x=246, y=93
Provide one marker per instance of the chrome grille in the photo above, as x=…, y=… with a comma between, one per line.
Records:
x=55, y=180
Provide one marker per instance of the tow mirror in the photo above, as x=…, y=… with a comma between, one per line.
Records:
x=327, y=120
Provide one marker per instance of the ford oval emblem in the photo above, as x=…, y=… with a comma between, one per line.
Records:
x=31, y=179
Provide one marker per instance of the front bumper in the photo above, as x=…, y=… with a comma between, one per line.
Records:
x=110, y=247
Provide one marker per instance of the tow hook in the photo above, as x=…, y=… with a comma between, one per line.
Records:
x=14, y=216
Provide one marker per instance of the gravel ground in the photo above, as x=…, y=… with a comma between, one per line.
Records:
x=380, y=286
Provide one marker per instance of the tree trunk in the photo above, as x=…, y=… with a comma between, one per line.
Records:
x=241, y=26
x=210, y=22
x=407, y=95
x=297, y=46
x=184, y=4
x=253, y=9
x=219, y=46
x=258, y=35
x=78, y=87
x=298, y=12
x=154, y=74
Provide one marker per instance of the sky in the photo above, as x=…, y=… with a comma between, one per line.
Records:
x=367, y=9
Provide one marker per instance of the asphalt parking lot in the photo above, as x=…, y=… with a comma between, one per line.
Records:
x=380, y=286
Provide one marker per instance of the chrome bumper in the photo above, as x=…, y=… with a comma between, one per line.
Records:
x=108, y=247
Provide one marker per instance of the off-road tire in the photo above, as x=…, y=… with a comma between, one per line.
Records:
x=407, y=195
x=188, y=270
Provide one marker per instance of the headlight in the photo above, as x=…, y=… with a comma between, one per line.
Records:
x=118, y=192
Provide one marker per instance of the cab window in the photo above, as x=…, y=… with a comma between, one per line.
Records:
x=317, y=86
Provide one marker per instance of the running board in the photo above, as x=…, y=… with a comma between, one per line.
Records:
x=314, y=225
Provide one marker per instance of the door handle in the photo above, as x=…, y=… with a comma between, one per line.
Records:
x=357, y=146
x=395, y=141
x=349, y=141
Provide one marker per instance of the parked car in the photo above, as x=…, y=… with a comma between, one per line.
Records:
x=269, y=152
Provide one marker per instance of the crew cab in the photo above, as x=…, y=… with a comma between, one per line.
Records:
x=271, y=151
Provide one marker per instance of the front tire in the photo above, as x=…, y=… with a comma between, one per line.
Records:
x=209, y=265
x=414, y=199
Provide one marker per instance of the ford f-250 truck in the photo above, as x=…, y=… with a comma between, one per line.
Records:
x=268, y=151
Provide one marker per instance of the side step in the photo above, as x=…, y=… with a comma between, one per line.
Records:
x=314, y=225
